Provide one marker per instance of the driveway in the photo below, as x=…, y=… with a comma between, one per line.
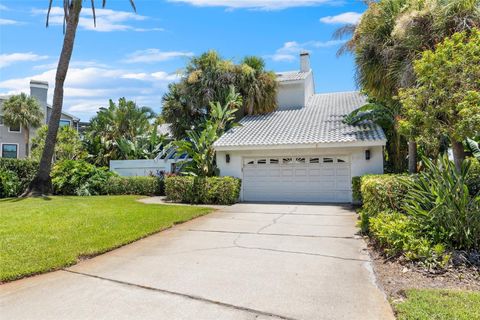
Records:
x=247, y=261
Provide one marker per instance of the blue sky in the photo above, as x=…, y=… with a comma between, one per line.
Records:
x=138, y=55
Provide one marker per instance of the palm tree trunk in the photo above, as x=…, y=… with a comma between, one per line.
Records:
x=412, y=156
x=27, y=142
x=458, y=154
x=42, y=184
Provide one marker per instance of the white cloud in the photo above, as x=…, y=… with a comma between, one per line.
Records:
x=343, y=18
x=291, y=49
x=155, y=55
x=8, y=59
x=106, y=20
x=8, y=22
x=3, y=7
x=88, y=88
x=257, y=4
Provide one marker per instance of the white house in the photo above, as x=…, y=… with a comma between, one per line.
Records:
x=304, y=151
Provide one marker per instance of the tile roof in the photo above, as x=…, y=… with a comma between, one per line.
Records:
x=292, y=76
x=321, y=121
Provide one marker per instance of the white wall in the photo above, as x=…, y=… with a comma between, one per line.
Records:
x=290, y=95
x=128, y=168
x=359, y=165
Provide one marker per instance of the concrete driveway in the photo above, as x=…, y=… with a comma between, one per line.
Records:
x=248, y=261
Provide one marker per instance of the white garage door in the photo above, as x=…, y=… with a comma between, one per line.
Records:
x=297, y=179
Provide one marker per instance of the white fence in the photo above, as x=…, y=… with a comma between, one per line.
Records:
x=128, y=168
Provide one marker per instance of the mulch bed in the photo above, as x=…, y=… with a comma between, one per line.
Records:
x=394, y=276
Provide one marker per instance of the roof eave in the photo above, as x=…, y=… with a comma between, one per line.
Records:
x=323, y=145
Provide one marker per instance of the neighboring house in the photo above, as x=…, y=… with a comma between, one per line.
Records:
x=12, y=140
x=304, y=151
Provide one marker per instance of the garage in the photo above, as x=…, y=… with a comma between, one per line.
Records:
x=297, y=179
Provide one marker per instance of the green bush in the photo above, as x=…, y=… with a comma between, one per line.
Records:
x=473, y=177
x=398, y=235
x=356, y=192
x=147, y=186
x=76, y=177
x=25, y=170
x=441, y=206
x=10, y=185
x=196, y=190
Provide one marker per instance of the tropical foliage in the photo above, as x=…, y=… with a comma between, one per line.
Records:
x=208, y=78
x=389, y=37
x=69, y=146
x=199, y=145
x=122, y=131
x=23, y=112
x=442, y=105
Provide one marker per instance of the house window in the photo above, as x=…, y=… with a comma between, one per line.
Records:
x=274, y=161
x=300, y=160
x=327, y=160
x=14, y=129
x=342, y=159
x=9, y=151
x=249, y=162
x=287, y=160
x=64, y=123
x=314, y=160
x=262, y=161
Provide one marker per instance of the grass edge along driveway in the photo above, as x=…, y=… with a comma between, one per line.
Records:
x=439, y=304
x=45, y=234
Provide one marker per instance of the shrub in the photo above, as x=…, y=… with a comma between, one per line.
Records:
x=25, y=170
x=473, y=177
x=10, y=185
x=211, y=190
x=356, y=192
x=71, y=177
x=383, y=192
x=147, y=186
x=398, y=235
x=440, y=204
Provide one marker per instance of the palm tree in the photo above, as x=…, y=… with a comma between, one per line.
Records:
x=42, y=184
x=389, y=37
x=24, y=112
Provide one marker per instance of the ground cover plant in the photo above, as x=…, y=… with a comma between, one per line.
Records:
x=43, y=234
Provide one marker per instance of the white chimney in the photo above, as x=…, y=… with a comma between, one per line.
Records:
x=304, y=61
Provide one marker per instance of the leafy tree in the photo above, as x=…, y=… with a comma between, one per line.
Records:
x=68, y=146
x=24, y=112
x=121, y=131
x=199, y=145
x=208, y=78
x=42, y=183
x=446, y=98
x=389, y=37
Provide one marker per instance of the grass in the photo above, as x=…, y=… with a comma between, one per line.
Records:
x=39, y=235
x=439, y=305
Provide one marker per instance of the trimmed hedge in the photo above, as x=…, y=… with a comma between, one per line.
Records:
x=199, y=190
x=24, y=170
x=147, y=186
x=383, y=192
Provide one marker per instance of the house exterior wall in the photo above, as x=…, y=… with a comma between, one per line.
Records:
x=359, y=165
x=39, y=90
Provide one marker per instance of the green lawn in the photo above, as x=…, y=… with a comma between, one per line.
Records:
x=439, y=305
x=38, y=235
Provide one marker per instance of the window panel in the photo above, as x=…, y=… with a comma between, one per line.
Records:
x=342, y=159
x=327, y=160
x=274, y=161
x=287, y=160
x=14, y=128
x=9, y=151
x=262, y=161
x=314, y=160
x=64, y=123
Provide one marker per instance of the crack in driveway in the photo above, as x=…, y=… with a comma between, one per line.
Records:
x=184, y=295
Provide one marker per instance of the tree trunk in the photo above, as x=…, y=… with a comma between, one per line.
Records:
x=27, y=142
x=458, y=154
x=42, y=184
x=412, y=156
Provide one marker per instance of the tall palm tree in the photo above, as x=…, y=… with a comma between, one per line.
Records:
x=390, y=36
x=24, y=112
x=42, y=184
